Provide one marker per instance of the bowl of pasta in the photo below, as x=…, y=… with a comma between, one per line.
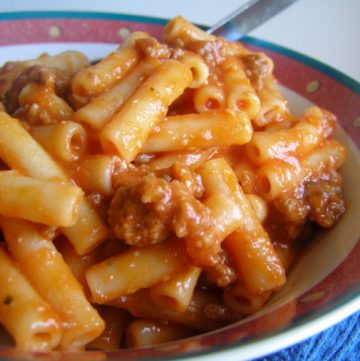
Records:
x=166, y=194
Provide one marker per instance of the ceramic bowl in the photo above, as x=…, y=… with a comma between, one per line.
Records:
x=324, y=285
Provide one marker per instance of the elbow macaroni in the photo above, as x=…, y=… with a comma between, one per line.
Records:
x=145, y=204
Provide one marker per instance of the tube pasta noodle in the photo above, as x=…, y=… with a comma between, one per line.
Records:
x=273, y=105
x=246, y=174
x=198, y=315
x=249, y=234
x=225, y=212
x=70, y=62
x=93, y=80
x=89, y=230
x=103, y=107
x=198, y=67
x=151, y=48
x=77, y=264
x=301, y=139
x=36, y=327
x=287, y=255
x=41, y=201
x=141, y=333
x=219, y=189
x=258, y=205
x=162, y=192
x=176, y=293
x=240, y=96
x=27, y=156
x=66, y=140
x=278, y=176
x=192, y=158
x=128, y=129
x=95, y=173
x=115, y=325
x=130, y=41
x=138, y=268
x=200, y=131
x=243, y=301
x=209, y=97
x=51, y=276
x=178, y=32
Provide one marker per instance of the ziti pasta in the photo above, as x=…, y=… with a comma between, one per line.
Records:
x=157, y=194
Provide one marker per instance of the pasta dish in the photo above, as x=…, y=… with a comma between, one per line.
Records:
x=159, y=193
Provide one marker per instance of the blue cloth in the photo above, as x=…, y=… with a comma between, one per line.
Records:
x=338, y=343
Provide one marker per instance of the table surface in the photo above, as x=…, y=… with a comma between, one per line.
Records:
x=326, y=30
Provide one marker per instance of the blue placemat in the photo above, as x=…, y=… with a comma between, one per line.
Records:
x=338, y=343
